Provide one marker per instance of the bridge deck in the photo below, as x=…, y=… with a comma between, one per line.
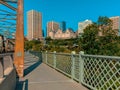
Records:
x=39, y=76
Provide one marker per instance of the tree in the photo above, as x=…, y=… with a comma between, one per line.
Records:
x=32, y=45
x=90, y=39
x=48, y=40
x=105, y=44
x=105, y=26
x=103, y=20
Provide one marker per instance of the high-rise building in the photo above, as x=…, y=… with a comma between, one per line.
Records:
x=34, y=25
x=52, y=28
x=116, y=24
x=82, y=26
x=63, y=26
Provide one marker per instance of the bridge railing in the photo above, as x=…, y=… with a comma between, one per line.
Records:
x=101, y=72
x=6, y=62
x=94, y=71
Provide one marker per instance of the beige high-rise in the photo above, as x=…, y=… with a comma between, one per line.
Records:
x=34, y=25
x=82, y=26
x=116, y=24
x=52, y=28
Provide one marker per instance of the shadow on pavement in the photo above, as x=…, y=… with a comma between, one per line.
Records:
x=33, y=62
x=31, y=68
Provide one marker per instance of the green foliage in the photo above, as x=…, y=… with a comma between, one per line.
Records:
x=35, y=45
x=61, y=45
x=106, y=44
x=48, y=40
x=105, y=26
x=90, y=39
x=103, y=20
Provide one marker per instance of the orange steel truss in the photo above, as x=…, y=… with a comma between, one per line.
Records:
x=19, y=43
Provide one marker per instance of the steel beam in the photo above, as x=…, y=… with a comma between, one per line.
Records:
x=7, y=5
x=10, y=1
x=10, y=13
x=7, y=18
x=19, y=43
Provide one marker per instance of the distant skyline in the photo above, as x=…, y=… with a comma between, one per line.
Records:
x=71, y=11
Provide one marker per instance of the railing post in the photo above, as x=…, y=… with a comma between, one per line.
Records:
x=81, y=66
x=73, y=65
x=46, y=56
x=11, y=60
x=41, y=56
x=54, y=59
x=2, y=66
x=28, y=52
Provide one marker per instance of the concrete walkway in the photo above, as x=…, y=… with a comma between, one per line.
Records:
x=42, y=77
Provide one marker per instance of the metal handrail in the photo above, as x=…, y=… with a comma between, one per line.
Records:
x=101, y=56
x=3, y=62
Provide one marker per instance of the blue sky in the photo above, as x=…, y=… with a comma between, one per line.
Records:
x=71, y=11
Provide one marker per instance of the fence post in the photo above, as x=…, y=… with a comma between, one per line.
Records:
x=73, y=65
x=2, y=67
x=81, y=67
x=41, y=56
x=54, y=59
x=46, y=56
x=11, y=60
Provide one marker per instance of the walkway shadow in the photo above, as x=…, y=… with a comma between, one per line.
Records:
x=32, y=61
x=34, y=64
x=22, y=85
x=31, y=68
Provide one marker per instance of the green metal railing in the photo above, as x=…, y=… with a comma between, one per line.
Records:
x=101, y=72
x=95, y=72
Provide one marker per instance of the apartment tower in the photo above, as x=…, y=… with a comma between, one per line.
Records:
x=34, y=25
x=63, y=26
x=82, y=26
x=116, y=24
x=52, y=28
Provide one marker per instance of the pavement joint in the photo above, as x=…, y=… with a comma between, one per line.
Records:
x=66, y=81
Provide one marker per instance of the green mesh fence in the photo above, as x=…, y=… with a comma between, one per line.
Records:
x=102, y=73
x=50, y=59
x=63, y=63
x=95, y=72
x=76, y=67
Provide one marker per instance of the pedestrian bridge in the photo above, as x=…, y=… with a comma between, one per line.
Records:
x=50, y=71
x=39, y=76
x=58, y=71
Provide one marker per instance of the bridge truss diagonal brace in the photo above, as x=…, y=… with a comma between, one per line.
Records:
x=7, y=5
